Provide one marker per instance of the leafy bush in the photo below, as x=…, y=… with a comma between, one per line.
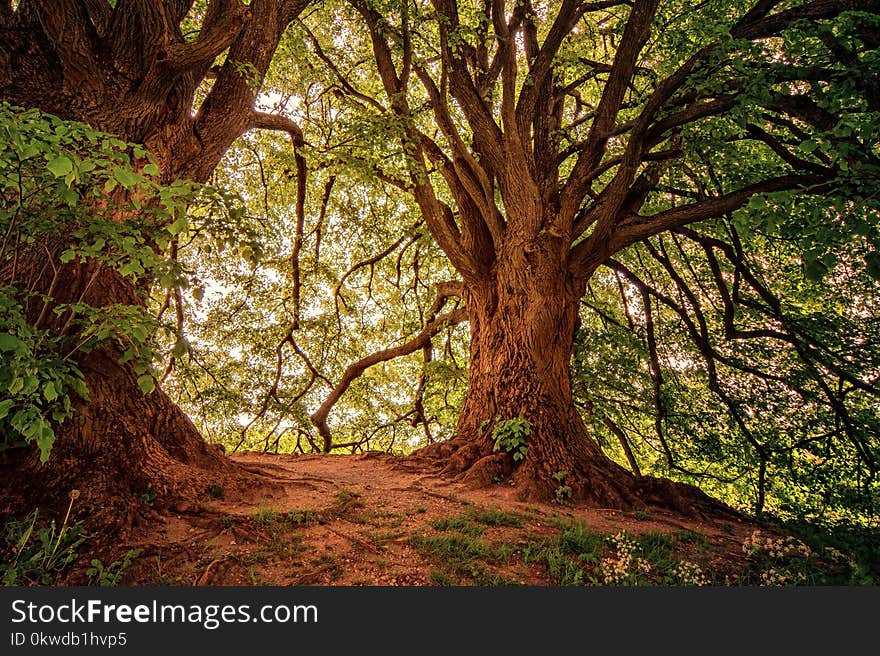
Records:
x=39, y=383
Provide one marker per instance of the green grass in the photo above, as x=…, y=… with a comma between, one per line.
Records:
x=302, y=517
x=578, y=540
x=463, y=558
x=38, y=552
x=266, y=517
x=456, y=524
x=495, y=517
x=567, y=555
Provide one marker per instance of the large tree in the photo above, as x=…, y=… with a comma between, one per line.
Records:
x=539, y=140
x=135, y=69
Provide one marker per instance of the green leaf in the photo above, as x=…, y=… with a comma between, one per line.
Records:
x=5, y=407
x=49, y=391
x=12, y=343
x=15, y=386
x=45, y=439
x=151, y=169
x=60, y=166
x=178, y=226
x=146, y=383
x=126, y=177
x=180, y=348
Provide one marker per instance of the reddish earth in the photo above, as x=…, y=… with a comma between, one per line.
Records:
x=351, y=520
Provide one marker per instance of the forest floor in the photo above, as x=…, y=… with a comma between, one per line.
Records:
x=374, y=519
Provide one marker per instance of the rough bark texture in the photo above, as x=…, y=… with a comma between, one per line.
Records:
x=121, y=446
x=129, y=71
x=523, y=319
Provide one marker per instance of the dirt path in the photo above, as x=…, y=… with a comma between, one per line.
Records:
x=376, y=520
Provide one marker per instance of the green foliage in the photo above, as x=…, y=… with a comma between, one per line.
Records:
x=461, y=525
x=494, y=517
x=37, y=552
x=82, y=203
x=740, y=383
x=813, y=554
x=568, y=555
x=510, y=435
x=110, y=575
x=266, y=516
x=562, y=491
x=462, y=557
x=39, y=385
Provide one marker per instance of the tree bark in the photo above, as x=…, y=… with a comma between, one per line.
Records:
x=120, y=448
x=523, y=317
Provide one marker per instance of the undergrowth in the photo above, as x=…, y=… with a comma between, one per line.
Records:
x=37, y=550
x=462, y=552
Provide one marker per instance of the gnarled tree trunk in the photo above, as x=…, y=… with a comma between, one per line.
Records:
x=523, y=319
x=129, y=70
x=121, y=446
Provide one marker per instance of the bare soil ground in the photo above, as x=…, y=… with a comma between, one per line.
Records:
x=374, y=519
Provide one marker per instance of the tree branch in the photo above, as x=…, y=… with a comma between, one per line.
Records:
x=355, y=370
x=68, y=28
x=211, y=42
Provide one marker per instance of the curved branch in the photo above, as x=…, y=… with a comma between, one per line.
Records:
x=355, y=370
x=212, y=41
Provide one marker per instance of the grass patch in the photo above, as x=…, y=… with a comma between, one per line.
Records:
x=569, y=555
x=473, y=520
x=302, y=517
x=461, y=525
x=379, y=519
x=463, y=559
x=265, y=517
x=37, y=552
x=495, y=517
x=578, y=540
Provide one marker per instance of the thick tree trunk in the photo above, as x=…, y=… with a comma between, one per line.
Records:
x=523, y=318
x=122, y=447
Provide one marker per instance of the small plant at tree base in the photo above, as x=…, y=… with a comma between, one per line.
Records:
x=510, y=435
x=110, y=575
x=39, y=555
x=563, y=491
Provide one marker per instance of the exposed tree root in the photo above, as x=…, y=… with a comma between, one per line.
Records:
x=123, y=453
x=594, y=481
